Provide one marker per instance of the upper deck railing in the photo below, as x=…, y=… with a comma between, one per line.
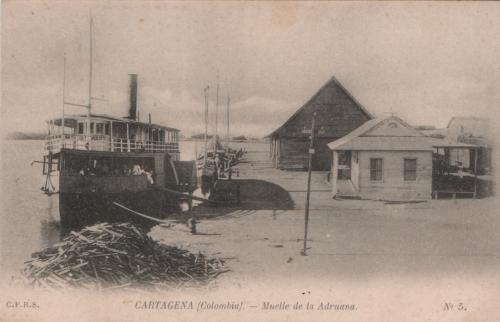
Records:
x=100, y=142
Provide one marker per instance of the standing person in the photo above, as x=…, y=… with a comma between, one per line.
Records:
x=460, y=170
x=137, y=170
x=217, y=164
x=149, y=175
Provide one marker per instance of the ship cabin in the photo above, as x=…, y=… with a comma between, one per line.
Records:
x=112, y=154
x=106, y=133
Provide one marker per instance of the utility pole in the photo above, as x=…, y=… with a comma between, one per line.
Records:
x=308, y=195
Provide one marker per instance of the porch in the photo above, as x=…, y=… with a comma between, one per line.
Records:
x=345, y=174
x=460, y=171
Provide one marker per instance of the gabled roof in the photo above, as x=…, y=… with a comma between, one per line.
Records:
x=366, y=137
x=330, y=81
x=470, y=130
x=354, y=134
x=468, y=119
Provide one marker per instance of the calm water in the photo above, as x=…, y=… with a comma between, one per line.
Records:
x=30, y=219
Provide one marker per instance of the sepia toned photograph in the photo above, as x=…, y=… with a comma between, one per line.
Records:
x=249, y=161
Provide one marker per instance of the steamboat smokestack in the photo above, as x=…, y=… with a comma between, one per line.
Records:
x=133, y=97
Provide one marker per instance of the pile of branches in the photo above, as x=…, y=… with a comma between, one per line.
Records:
x=109, y=256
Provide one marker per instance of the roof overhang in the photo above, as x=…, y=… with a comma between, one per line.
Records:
x=94, y=117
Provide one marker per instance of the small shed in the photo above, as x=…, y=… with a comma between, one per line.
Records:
x=384, y=159
x=338, y=113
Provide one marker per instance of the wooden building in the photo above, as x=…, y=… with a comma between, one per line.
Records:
x=338, y=113
x=476, y=131
x=384, y=159
x=469, y=130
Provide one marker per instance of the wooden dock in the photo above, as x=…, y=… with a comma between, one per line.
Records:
x=261, y=186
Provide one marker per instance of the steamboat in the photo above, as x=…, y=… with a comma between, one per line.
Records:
x=104, y=160
x=114, y=168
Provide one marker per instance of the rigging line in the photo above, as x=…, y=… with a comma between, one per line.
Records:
x=217, y=108
x=63, y=93
x=76, y=104
x=99, y=99
x=227, y=121
x=139, y=214
x=90, y=73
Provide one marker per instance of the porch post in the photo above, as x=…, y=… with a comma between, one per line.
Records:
x=475, y=172
x=278, y=154
x=335, y=170
x=111, y=136
x=275, y=152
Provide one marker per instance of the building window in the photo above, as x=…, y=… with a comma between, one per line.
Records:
x=80, y=128
x=376, y=169
x=99, y=128
x=410, y=169
x=92, y=127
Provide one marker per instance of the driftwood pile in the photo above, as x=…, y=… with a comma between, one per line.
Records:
x=110, y=256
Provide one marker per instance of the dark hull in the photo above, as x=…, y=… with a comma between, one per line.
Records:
x=207, y=184
x=82, y=209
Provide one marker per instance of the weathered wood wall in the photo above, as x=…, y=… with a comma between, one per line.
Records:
x=337, y=114
x=294, y=154
x=393, y=186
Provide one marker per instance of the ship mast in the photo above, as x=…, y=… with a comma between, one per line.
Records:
x=206, y=125
x=89, y=105
x=227, y=122
x=90, y=78
x=63, y=93
x=217, y=113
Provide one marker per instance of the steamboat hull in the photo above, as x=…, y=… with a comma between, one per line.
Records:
x=78, y=210
x=137, y=181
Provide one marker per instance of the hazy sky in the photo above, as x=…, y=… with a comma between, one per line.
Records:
x=426, y=62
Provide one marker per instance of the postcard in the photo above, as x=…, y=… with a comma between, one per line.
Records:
x=250, y=161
